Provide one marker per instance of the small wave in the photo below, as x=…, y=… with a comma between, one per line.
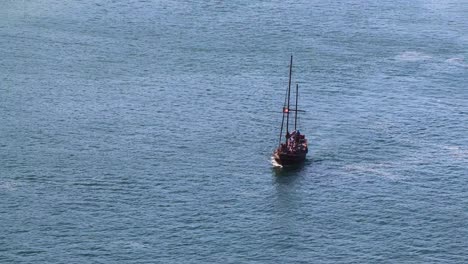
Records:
x=376, y=169
x=457, y=152
x=130, y=244
x=457, y=61
x=8, y=186
x=412, y=56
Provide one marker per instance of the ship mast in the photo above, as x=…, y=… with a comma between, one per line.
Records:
x=289, y=95
x=282, y=123
x=286, y=105
x=295, y=115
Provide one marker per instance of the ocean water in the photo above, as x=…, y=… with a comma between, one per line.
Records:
x=142, y=131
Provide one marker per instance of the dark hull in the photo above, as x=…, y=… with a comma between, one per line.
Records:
x=286, y=159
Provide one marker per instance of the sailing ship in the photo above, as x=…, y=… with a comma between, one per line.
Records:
x=294, y=149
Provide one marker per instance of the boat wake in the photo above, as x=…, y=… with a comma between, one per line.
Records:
x=274, y=163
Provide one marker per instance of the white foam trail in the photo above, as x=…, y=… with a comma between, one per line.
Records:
x=376, y=169
x=8, y=186
x=458, y=61
x=274, y=163
x=412, y=56
x=457, y=152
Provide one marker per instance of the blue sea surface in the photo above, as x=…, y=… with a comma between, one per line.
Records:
x=141, y=131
